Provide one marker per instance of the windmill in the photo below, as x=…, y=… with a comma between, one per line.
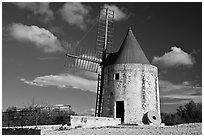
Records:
x=92, y=60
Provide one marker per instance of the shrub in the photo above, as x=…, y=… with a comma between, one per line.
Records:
x=189, y=113
x=28, y=116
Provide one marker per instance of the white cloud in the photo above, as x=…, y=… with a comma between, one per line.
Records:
x=86, y=74
x=76, y=14
x=42, y=38
x=63, y=81
x=119, y=13
x=166, y=86
x=176, y=57
x=38, y=8
x=180, y=99
x=197, y=99
x=180, y=93
x=57, y=30
x=48, y=58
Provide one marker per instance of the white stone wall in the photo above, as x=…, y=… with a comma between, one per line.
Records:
x=87, y=121
x=137, y=87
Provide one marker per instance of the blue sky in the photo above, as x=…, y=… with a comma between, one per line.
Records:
x=35, y=35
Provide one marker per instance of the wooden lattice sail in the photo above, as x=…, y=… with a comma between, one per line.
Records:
x=85, y=59
x=93, y=60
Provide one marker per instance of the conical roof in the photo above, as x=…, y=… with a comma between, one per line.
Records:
x=129, y=52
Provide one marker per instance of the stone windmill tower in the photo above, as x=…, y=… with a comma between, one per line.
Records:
x=127, y=82
x=130, y=84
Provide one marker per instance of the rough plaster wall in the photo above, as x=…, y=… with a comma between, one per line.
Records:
x=150, y=97
x=86, y=121
x=132, y=94
x=137, y=87
x=108, y=102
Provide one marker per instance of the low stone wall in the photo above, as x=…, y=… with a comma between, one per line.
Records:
x=87, y=121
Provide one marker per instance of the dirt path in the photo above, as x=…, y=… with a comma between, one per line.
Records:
x=184, y=129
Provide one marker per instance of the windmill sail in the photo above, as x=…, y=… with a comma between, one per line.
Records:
x=89, y=59
x=104, y=45
x=85, y=59
x=93, y=60
x=105, y=30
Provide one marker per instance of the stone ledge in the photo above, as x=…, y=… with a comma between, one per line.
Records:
x=87, y=121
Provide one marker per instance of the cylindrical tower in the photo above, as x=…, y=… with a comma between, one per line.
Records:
x=130, y=83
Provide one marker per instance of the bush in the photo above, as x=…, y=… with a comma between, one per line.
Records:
x=28, y=117
x=189, y=113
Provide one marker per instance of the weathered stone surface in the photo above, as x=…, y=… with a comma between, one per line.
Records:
x=87, y=121
x=137, y=86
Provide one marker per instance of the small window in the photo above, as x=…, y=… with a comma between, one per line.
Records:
x=116, y=76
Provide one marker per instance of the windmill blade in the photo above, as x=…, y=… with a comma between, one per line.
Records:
x=85, y=59
x=105, y=31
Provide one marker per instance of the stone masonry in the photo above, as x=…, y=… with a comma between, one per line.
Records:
x=137, y=86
